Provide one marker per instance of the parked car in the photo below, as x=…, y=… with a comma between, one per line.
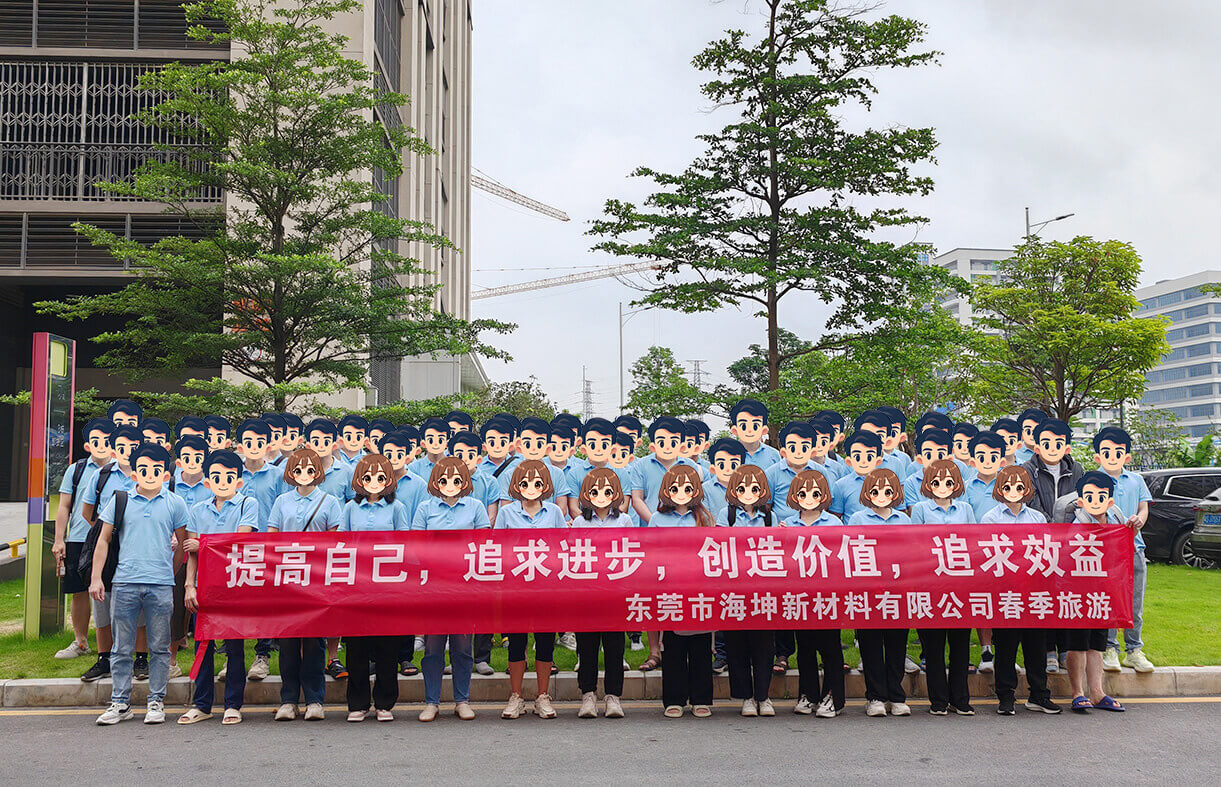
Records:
x=1205, y=543
x=1177, y=494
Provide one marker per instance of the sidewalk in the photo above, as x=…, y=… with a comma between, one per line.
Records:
x=71, y=692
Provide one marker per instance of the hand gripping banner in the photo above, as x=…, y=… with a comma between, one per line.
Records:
x=686, y=579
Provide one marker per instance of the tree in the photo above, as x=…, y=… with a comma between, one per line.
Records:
x=522, y=398
x=750, y=371
x=1065, y=338
x=660, y=387
x=787, y=197
x=1157, y=437
x=300, y=279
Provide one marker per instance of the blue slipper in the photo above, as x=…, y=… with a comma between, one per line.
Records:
x=1082, y=704
x=1110, y=703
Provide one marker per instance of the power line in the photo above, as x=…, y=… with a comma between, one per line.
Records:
x=697, y=374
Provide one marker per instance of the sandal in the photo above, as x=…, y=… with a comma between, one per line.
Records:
x=673, y=712
x=409, y=670
x=194, y=715
x=701, y=711
x=651, y=663
x=781, y=666
x=1109, y=703
x=1082, y=704
x=232, y=716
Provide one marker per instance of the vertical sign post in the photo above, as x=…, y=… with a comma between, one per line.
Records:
x=52, y=387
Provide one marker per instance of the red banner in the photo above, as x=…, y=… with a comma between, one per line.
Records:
x=686, y=579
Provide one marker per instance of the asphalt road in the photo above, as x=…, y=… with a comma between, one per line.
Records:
x=1154, y=742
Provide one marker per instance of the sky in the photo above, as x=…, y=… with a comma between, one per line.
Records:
x=1103, y=109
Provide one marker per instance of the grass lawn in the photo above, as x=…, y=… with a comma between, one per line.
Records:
x=1182, y=627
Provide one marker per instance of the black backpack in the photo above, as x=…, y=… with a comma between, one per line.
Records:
x=85, y=565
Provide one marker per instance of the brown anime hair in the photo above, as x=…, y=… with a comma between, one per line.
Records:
x=527, y=469
x=878, y=478
x=300, y=458
x=746, y=474
x=369, y=463
x=445, y=467
x=684, y=473
x=600, y=476
x=1008, y=475
x=808, y=479
x=938, y=468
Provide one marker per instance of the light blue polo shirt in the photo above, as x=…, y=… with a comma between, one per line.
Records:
x=514, y=517
x=615, y=519
x=411, y=491
x=714, y=496
x=927, y=512
x=574, y=471
x=846, y=495
x=341, y=456
x=1130, y=491
x=823, y=519
x=779, y=478
x=362, y=516
x=866, y=516
x=1023, y=454
x=78, y=528
x=117, y=480
x=337, y=484
x=146, y=549
x=742, y=519
x=1000, y=514
x=915, y=478
x=292, y=510
x=264, y=485
x=559, y=482
x=484, y=488
x=1113, y=517
x=191, y=493
x=647, y=473
x=423, y=467
x=672, y=519
x=836, y=468
x=488, y=466
x=979, y=496
x=897, y=461
x=764, y=456
x=466, y=513
x=237, y=511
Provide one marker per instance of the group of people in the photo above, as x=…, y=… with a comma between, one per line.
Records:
x=148, y=493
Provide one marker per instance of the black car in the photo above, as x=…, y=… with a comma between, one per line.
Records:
x=1177, y=493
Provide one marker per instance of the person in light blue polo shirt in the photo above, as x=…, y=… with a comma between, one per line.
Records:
x=808, y=497
x=219, y=433
x=533, y=443
x=825, y=433
x=484, y=488
x=434, y=442
x=322, y=437
x=962, y=436
x=530, y=508
x=987, y=458
x=190, y=453
x=881, y=500
x=1027, y=422
x=879, y=423
x=941, y=490
x=352, y=429
x=893, y=453
x=262, y=480
x=598, y=442
x=862, y=454
x=561, y=447
x=748, y=423
x=143, y=580
x=498, y=435
x=665, y=443
x=410, y=489
x=680, y=500
x=450, y=504
x=725, y=456
x=306, y=507
x=932, y=445
x=797, y=451
x=696, y=439
x=1112, y=452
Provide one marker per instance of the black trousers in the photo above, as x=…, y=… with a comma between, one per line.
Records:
x=407, y=648
x=822, y=643
x=940, y=691
x=750, y=663
x=687, y=674
x=612, y=644
x=786, y=643
x=1034, y=647
x=481, y=647
x=882, y=653
x=384, y=652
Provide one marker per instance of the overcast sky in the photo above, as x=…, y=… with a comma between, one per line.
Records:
x=1103, y=108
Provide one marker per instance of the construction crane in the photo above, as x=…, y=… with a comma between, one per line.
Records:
x=562, y=281
x=483, y=182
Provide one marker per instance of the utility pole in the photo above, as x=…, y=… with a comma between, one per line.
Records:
x=697, y=374
x=587, y=397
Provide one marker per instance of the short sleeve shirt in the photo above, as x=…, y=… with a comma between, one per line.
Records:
x=514, y=517
x=237, y=511
x=292, y=511
x=362, y=516
x=823, y=519
x=615, y=519
x=780, y=477
x=1130, y=491
x=742, y=519
x=78, y=527
x=1000, y=514
x=846, y=495
x=338, y=482
x=146, y=537
x=927, y=512
x=866, y=516
x=465, y=513
x=264, y=485
x=672, y=519
x=191, y=493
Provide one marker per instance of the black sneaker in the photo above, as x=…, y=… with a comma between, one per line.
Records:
x=99, y=670
x=1005, y=708
x=719, y=664
x=965, y=710
x=139, y=668
x=938, y=710
x=1043, y=706
x=336, y=670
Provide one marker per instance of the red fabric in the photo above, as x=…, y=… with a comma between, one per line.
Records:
x=686, y=579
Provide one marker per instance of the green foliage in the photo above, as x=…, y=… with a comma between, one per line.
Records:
x=750, y=371
x=85, y=402
x=660, y=387
x=521, y=398
x=1066, y=338
x=1203, y=454
x=786, y=197
x=300, y=278
x=1157, y=437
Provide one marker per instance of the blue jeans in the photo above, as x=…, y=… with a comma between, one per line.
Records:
x=301, y=663
x=127, y=601
x=235, y=676
x=1131, y=636
x=434, y=662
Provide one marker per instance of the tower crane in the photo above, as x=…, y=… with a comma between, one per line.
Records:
x=482, y=181
x=562, y=281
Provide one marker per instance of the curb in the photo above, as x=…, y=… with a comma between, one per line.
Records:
x=71, y=692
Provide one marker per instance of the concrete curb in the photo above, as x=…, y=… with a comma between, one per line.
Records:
x=71, y=692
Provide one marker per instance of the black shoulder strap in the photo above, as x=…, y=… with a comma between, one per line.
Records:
x=78, y=470
x=173, y=483
x=279, y=460
x=496, y=473
x=103, y=477
x=733, y=514
x=310, y=521
x=120, y=508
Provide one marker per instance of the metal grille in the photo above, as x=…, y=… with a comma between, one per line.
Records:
x=18, y=27
x=66, y=126
x=33, y=240
x=100, y=23
x=110, y=24
x=163, y=25
x=388, y=38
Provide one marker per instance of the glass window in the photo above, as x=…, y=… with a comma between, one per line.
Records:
x=1196, y=350
x=1199, y=411
x=1199, y=370
x=1197, y=330
x=982, y=265
x=1148, y=303
x=1191, y=293
x=1193, y=487
x=1175, y=335
x=1170, y=298
x=1200, y=390
x=1195, y=311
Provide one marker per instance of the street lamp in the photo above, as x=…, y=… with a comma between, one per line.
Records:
x=1040, y=225
x=623, y=318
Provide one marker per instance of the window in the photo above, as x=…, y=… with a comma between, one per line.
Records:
x=1199, y=370
x=1193, y=487
x=1195, y=311
x=1196, y=350
x=1199, y=411
x=1169, y=299
x=1151, y=397
x=982, y=265
x=1202, y=430
x=1197, y=330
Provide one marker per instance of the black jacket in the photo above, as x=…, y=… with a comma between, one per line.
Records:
x=1045, y=490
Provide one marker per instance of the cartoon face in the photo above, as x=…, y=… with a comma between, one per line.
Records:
x=620, y=456
x=749, y=429
x=125, y=419
x=895, y=437
x=530, y=487
x=277, y=437
x=931, y=452
x=681, y=492
x=123, y=447
x=1094, y=499
x=822, y=445
x=532, y=445
x=253, y=446
x=352, y=438
x=882, y=495
x=749, y=492
x=190, y=460
x=688, y=449
x=665, y=445
x=156, y=438
x=375, y=436
x=1014, y=491
x=1028, y=427
x=223, y=481
x=375, y=481
x=1112, y=456
x=810, y=498
x=1011, y=441
x=987, y=459
x=322, y=443
x=635, y=435
x=560, y=449
x=496, y=445
x=396, y=454
x=149, y=475
x=722, y=466
x=98, y=446
x=598, y=448
x=291, y=440
x=468, y=454
x=942, y=486
x=450, y=484
x=305, y=474
x=1051, y=447
x=962, y=448
x=797, y=450
x=602, y=495
x=863, y=458
x=218, y=440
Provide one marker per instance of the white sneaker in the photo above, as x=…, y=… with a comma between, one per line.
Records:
x=1138, y=661
x=72, y=651
x=910, y=666
x=429, y=713
x=803, y=707
x=515, y=707
x=985, y=661
x=286, y=712
x=175, y=670
x=313, y=712
x=749, y=708
x=1110, y=660
x=1053, y=666
x=568, y=640
x=419, y=643
x=224, y=670
x=875, y=708
x=589, y=706
x=826, y=708
x=543, y=708
x=899, y=709
x=114, y=714
x=155, y=713
x=483, y=668
x=637, y=645
x=614, y=708
x=260, y=669
x=766, y=708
